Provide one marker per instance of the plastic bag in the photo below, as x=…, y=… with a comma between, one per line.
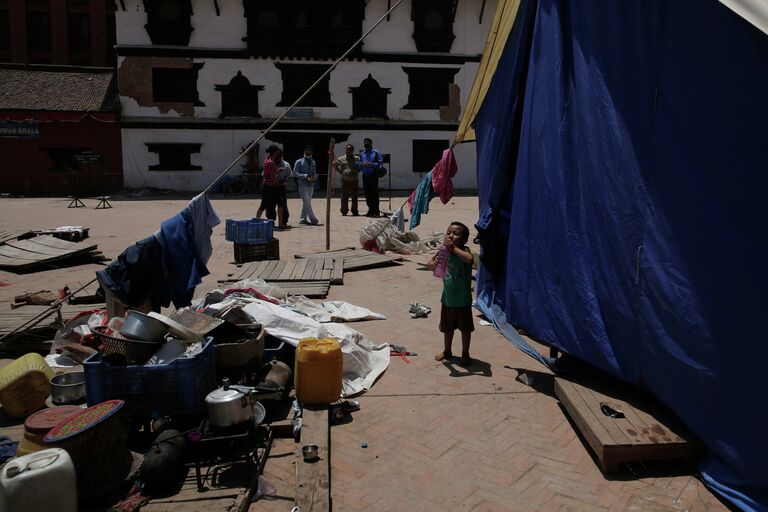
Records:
x=388, y=238
x=78, y=329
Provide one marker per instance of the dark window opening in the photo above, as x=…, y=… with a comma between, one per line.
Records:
x=169, y=21
x=426, y=153
x=39, y=32
x=429, y=87
x=433, y=25
x=79, y=37
x=174, y=156
x=176, y=85
x=239, y=98
x=297, y=78
x=303, y=27
x=64, y=159
x=369, y=99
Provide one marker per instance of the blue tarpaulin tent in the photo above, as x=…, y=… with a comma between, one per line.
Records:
x=622, y=174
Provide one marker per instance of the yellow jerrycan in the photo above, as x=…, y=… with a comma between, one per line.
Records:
x=318, y=371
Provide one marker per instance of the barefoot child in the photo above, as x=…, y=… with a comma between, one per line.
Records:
x=456, y=311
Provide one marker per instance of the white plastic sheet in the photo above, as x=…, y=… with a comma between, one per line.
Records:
x=363, y=360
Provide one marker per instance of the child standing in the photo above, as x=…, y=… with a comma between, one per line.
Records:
x=456, y=310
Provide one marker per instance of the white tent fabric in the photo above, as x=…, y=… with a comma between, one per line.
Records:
x=754, y=11
x=363, y=360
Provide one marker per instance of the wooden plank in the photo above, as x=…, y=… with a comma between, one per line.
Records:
x=13, y=234
x=276, y=272
x=299, y=269
x=40, y=250
x=373, y=260
x=313, y=479
x=255, y=269
x=322, y=254
x=52, y=241
x=337, y=276
x=593, y=431
x=612, y=425
x=34, y=247
x=640, y=435
x=285, y=275
x=268, y=268
x=20, y=254
x=309, y=270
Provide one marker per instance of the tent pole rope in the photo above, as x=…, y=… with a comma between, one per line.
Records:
x=311, y=87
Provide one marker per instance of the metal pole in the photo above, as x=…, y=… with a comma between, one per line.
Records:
x=389, y=172
x=329, y=194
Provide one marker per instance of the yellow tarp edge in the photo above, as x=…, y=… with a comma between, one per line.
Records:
x=506, y=13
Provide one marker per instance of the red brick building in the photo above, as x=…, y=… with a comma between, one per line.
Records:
x=53, y=121
x=76, y=32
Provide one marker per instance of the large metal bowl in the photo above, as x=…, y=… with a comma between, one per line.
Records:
x=68, y=388
x=138, y=326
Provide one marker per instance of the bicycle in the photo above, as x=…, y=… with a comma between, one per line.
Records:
x=249, y=177
x=244, y=182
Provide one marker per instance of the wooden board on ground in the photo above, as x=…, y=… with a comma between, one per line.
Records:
x=641, y=431
x=313, y=491
x=85, y=296
x=355, y=259
x=278, y=271
x=14, y=234
x=10, y=319
x=39, y=251
x=310, y=289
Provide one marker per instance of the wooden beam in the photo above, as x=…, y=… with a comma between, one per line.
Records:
x=313, y=479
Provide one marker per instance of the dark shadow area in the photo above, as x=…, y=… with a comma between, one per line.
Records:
x=475, y=368
x=540, y=381
x=9, y=421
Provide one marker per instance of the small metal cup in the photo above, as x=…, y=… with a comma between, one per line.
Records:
x=310, y=452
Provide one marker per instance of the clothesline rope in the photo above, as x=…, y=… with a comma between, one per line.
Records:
x=311, y=87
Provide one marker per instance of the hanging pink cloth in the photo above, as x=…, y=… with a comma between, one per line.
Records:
x=442, y=173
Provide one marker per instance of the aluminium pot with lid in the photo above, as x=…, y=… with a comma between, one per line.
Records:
x=229, y=405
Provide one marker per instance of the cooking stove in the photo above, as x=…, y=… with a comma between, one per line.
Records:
x=215, y=447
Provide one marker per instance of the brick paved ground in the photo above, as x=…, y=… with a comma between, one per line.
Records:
x=440, y=437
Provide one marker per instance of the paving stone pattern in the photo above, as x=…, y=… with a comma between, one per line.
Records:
x=439, y=437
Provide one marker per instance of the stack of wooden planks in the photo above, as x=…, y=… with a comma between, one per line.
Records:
x=311, y=278
x=355, y=259
x=42, y=251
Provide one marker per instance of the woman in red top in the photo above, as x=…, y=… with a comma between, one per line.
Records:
x=270, y=188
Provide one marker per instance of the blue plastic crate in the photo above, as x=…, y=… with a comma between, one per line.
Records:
x=252, y=231
x=179, y=387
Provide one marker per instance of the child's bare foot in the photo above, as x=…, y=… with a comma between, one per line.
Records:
x=444, y=356
x=465, y=360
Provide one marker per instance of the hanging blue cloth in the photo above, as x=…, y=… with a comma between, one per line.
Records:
x=420, y=198
x=185, y=239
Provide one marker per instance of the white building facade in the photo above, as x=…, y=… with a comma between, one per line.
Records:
x=200, y=79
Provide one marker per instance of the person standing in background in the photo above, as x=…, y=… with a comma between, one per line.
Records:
x=270, y=189
x=371, y=163
x=305, y=172
x=284, y=172
x=348, y=166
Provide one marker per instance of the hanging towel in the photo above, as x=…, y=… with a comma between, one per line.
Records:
x=419, y=199
x=442, y=173
x=398, y=219
x=204, y=219
x=186, y=242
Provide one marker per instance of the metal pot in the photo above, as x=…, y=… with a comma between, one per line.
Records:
x=68, y=388
x=229, y=405
x=138, y=326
